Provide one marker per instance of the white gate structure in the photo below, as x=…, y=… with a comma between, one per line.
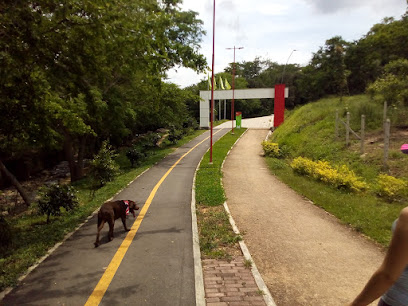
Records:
x=242, y=94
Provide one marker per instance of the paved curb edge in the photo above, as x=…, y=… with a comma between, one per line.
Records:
x=198, y=269
x=258, y=278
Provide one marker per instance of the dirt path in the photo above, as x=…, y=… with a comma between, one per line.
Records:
x=305, y=256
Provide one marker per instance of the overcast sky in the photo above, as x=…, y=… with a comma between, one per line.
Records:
x=271, y=29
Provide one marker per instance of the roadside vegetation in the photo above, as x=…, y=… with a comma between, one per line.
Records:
x=354, y=187
x=82, y=82
x=217, y=239
x=30, y=235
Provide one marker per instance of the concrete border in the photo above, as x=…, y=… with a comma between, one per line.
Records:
x=198, y=268
x=257, y=276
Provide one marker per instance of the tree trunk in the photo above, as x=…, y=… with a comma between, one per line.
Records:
x=81, y=155
x=14, y=181
x=69, y=155
x=76, y=168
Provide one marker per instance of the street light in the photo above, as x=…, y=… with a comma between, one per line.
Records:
x=212, y=89
x=233, y=87
x=284, y=67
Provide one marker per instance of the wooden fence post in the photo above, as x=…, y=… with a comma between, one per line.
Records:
x=362, y=134
x=385, y=112
x=348, y=129
x=336, y=128
x=387, y=127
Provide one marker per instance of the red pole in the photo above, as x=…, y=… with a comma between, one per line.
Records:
x=212, y=89
x=233, y=94
x=233, y=89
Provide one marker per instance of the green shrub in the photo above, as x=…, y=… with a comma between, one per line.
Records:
x=390, y=187
x=175, y=135
x=135, y=156
x=271, y=149
x=150, y=140
x=341, y=177
x=103, y=167
x=6, y=236
x=55, y=197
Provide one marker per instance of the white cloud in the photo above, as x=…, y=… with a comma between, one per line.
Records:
x=272, y=29
x=325, y=6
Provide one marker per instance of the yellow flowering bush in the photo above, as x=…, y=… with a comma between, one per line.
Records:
x=340, y=177
x=271, y=149
x=390, y=187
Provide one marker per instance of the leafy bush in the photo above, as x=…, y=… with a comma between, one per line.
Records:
x=174, y=135
x=271, y=149
x=135, y=156
x=55, y=197
x=103, y=167
x=393, y=84
x=340, y=177
x=191, y=122
x=5, y=235
x=390, y=187
x=151, y=140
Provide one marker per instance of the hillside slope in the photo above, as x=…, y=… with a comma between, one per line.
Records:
x=309, y=132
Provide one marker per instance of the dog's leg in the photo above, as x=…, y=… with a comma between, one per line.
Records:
x=100, y=225
x=111, y=225
x=124, y=224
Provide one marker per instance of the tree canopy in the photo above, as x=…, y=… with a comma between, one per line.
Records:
x=72, y=71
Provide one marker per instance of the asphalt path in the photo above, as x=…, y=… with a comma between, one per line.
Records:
x=157, y=265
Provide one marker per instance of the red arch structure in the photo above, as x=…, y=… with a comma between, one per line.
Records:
x=279, y=93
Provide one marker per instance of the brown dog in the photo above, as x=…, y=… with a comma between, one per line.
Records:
x=110, y=211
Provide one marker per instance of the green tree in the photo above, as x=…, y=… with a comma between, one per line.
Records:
x=392, y=86
x=74, y=71
x=366, y=58
x=326, y=73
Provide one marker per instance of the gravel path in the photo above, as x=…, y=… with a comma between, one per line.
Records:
x=305, y=256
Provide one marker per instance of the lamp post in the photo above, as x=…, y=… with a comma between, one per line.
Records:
x=233, y=87
x=284, y=67
x=212, y=89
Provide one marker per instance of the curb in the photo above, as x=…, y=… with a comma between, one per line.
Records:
x=198, y=269
x=258, y=278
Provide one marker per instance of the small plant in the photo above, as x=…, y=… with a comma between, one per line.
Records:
x=271, y=149
x=390, y=187
x=247, y=263
x=6, y=236
x=103, y=167
x=174, y=135
x=341, y=177
x=151, y=140
x=55, y=198
x=135, y=156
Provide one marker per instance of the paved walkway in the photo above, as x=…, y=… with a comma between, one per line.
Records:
x=230, y=283
x=263, y=123
x=305, y=255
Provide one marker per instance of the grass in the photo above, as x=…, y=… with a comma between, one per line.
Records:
x=217, y=239
x=309, y=132
x=364, y=212
x=33, y=237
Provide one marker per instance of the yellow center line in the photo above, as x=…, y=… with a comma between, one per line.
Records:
x=111, y=270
